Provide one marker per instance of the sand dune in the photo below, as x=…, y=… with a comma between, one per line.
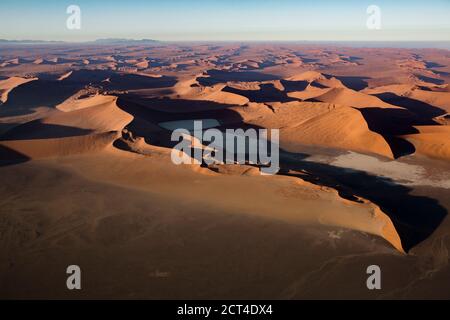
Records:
x=432, y=141
x=437, y=99
x=309, y=76
x=245, y=85
x=6, y=86
x=328, y=82
x=316, y=85
x=190, y=90
x=398, y=89
x=309, y=93
x=318, y=124
x=57, y=147
x=103, y=117
x=76, y=103
x=142, y=64
x=216, y=94
x=65, y=76
x=352, y=98
x=343, y=128
x=91, y=127
x=317, y=80
x=302, y=201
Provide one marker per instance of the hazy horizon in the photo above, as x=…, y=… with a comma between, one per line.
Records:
x=351, y=44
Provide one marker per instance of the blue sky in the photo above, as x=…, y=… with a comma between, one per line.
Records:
x=226, y=20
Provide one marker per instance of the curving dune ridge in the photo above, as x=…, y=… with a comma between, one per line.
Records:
x=87, y=173
x=6, y=86
x=93, y=127
x=352, y=98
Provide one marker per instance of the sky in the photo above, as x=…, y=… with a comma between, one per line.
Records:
x=222, y=20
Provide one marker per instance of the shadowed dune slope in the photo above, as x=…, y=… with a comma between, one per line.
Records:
x=57, y=147
x=6, y=86
x=101, y=118
x=84, y=130
x=352, y=98
x=432, y=141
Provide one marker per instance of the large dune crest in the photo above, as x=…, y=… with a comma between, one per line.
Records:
x=6, y=86
x=321, y=124
x=438, y=99
x=102, y=117
x=432, y=141
x=76, y=102
x=303, y=203
x=352, y=98
x=89, y=128
x=309, y=76
x=58, y=147
x=191, y=90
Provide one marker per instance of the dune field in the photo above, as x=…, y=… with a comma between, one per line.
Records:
x=87, y=176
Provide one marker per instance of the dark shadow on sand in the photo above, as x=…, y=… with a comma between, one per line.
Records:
x=354, y=83
x=147, y=117
x=290, y=86
x=9, y=157
x=430, y=80
x=422, y=109
x=393, y=123
x=220, y=76
x=414, y=217
x=266, y=93
x=35, y=130
x=26, y=98
x=136, y=82
x=430, y=65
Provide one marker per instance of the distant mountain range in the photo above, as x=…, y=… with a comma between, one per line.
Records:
x=124, y=41
x=107, y=41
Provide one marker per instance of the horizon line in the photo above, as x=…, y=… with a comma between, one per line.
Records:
x=219, y=40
